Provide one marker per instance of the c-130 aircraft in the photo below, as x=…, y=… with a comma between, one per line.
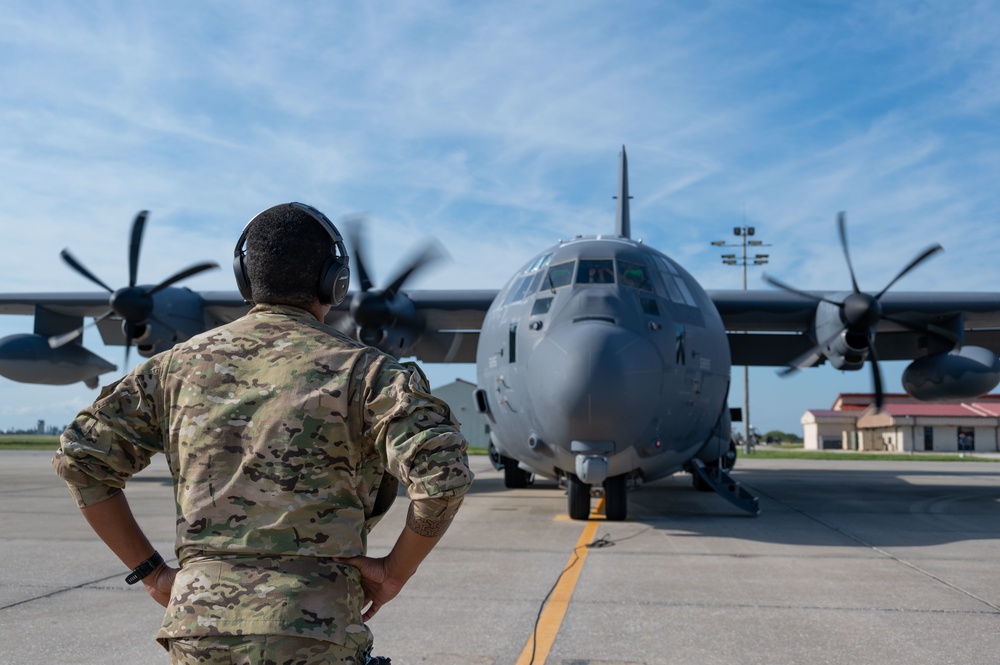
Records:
x=601, y=363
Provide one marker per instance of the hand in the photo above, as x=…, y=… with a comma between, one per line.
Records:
x=159, y=583
x=379, y=586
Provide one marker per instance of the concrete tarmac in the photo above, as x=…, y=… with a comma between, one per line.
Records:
x=849, y=562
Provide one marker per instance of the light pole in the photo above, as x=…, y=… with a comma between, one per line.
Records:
x=743, y=233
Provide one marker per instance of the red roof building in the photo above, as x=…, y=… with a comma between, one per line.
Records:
x=904, y=424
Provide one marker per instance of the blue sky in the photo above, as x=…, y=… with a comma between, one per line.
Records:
x=495, y=128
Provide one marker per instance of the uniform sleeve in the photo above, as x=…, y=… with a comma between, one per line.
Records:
x=420, y=440
x=111, y=440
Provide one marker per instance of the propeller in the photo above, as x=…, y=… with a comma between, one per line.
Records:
x=860, y=314
x=374, y=310
x=133, y=304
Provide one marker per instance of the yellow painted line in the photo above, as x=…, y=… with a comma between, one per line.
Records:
x=557, y=604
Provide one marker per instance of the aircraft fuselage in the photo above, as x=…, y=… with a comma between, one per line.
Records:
x=604, y=349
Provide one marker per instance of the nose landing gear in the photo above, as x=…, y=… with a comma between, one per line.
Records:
x=615, y=498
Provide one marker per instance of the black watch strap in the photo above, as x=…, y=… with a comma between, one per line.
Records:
x=144, y=568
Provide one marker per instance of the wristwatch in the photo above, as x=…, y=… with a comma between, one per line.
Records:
x=144, y=568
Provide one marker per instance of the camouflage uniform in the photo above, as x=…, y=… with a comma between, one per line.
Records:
x=285, y=440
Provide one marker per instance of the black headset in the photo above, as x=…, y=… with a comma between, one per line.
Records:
x=335, y=275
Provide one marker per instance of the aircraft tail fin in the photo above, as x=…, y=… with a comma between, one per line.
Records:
x=623, y=223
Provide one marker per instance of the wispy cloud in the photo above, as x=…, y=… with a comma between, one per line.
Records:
x=495, y=127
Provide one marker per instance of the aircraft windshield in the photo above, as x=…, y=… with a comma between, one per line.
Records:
x=561, y=274
x=676, y=287
x=529, y=281
x=634, y=276
x=596, y=271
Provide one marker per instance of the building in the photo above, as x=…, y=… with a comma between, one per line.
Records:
x=474, y=425
x=904, y=425
x=827, y=429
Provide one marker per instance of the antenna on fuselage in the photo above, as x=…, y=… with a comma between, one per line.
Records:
x=622, y=222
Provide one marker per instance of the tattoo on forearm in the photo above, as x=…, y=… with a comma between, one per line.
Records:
x=425, y=527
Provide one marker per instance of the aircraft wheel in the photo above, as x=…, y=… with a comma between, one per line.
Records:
x=496, y=459
x=579, y=498
x=615, y=501
x=513, y=476
x=729, y=459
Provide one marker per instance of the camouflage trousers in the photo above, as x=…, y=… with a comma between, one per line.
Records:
x=259, y=650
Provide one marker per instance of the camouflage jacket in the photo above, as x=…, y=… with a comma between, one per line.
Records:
x=285, y=441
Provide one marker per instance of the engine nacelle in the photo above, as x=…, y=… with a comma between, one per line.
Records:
x=30, y=359
x=847, y=351
x=151, y=338
x=959, y=374
x=397, y=340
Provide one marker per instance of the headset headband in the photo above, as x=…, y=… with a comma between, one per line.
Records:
x=335, y=275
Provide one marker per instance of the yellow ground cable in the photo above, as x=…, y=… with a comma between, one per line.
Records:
x=555, y=609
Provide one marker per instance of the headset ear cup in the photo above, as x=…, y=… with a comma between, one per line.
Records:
x=240, y=272
x=336, y=278
x=341, y=283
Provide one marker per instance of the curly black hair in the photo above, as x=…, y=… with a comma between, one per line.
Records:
x=286, y=250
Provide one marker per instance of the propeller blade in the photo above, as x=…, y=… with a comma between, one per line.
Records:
x=129, y=330
x=805, y=360
x=133, y=252
x=77, y=266
x=431, y=253
x=861, y=311
x=876, y=374
x=842, y=227
x=810, y=357
x=62, y=340
x=353, y=224
x=373, y=312
x=183, y=274
x=923, y=256
x=773, y=281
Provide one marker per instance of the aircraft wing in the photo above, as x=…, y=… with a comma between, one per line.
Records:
x=447, y=310
x=446, y=315
x=67, y=304
x=71, y=308
x=448, y=322
x=452, y=320
x=774, y=327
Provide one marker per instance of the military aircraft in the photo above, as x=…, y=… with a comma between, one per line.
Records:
x=602, y=362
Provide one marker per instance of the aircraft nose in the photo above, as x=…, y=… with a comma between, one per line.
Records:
x=594, y=380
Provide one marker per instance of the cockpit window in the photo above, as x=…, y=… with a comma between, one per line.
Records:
x=668, y=264
x=674, y=293
x=561, y=274
x=685, y=291
x=539, y=263
x=675, y=284
x=517, y=291
x=533, y=286
x=541, y=306
x=596, y=271
x=634, y=276
x=529, y=280
x=649, y=306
